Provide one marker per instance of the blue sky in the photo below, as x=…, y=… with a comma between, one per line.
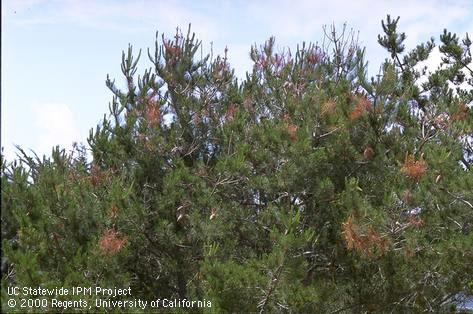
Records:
x=56, y=53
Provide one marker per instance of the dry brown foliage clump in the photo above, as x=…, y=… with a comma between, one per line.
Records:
x=111, y=242
x=113, y=211
x=152, y=113
x=368, y=153
x=461, y=113
x=230, y=113
x=96, y=175
x=413, y=168
x=415, y=221
x=292, y=131
x=363, y=105
x=368, y=242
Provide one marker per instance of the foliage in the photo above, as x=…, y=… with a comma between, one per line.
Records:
x=305, y=187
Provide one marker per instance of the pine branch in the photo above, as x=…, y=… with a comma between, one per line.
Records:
x=273, y=283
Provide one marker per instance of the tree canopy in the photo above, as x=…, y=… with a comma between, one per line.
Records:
x=307, y=186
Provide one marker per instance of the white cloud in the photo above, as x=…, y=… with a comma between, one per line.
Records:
x=432, y=63
x=56, y=125
x=239, y=58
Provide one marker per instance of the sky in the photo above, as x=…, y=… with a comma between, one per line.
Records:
x=56, y=54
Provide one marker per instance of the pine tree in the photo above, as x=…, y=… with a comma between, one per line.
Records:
x=305, y=187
